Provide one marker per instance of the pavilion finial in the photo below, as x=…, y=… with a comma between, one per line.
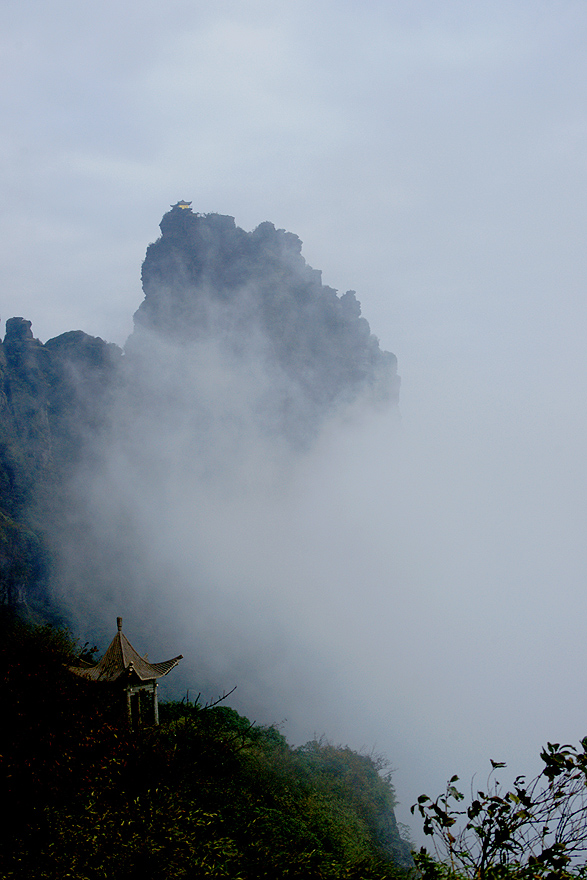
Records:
x=119, y=622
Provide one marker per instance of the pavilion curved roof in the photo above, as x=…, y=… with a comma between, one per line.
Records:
x=122, y=661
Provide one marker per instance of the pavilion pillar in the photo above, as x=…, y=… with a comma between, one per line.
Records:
x=155, y=705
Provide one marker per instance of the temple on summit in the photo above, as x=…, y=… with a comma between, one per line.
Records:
x=122, y=665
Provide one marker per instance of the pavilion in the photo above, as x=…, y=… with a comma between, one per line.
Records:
x=122, y=665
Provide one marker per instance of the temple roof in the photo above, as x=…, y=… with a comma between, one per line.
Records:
x=122, y=661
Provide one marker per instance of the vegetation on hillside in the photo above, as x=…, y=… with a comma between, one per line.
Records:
x=207, y=794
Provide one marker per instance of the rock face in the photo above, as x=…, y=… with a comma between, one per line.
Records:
x=52, y=398
x=207, y=278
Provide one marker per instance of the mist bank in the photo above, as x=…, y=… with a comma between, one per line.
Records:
x=186, y=482
x=237, y=345
x=413, y=587
x=206, y=507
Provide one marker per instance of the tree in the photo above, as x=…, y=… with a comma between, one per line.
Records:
x=538, y=829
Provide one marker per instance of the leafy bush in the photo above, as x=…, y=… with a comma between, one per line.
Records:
x=535, y=830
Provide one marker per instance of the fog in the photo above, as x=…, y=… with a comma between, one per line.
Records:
x=405, y=585
x=416, y=588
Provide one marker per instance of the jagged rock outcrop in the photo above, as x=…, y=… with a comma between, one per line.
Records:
x=207, y=278
x=289, y=351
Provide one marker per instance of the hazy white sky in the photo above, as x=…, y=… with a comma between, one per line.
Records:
x=432, y=156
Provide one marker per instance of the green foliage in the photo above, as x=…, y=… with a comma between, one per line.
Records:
x=207, y=794
x=535, y=830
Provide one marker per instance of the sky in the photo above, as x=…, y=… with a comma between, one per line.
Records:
x=432, y=157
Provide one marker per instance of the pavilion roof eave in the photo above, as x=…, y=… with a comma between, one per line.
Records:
x=121, y=660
